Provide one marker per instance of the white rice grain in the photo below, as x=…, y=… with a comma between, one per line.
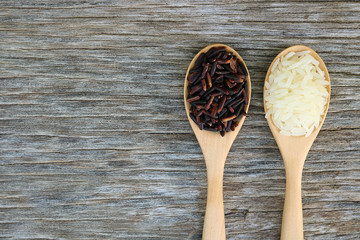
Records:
x=296, y=94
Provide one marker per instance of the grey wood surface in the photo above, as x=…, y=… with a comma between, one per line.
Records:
x=94, y=141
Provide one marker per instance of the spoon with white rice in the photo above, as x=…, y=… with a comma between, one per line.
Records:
x=296, y=100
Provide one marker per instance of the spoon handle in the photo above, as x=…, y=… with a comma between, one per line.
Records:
x=292, y=221
x=214, y=223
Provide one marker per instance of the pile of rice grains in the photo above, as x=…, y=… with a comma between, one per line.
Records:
x=217, y=90
x=296, y=94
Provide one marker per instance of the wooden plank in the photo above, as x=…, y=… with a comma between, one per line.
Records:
x=94, y=138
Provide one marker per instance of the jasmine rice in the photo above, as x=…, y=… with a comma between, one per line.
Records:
x=296, y=94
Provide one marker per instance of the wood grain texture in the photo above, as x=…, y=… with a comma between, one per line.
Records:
x=94, y=139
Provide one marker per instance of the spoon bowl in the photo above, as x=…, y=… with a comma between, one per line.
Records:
x=215, y=150
x=294, y=150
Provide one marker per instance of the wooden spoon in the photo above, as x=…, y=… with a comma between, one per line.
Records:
x=215, y=149
x=294, y=151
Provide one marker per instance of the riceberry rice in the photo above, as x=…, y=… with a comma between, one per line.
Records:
x=217, y=90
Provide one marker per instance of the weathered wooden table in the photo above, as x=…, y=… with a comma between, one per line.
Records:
x=94, y=141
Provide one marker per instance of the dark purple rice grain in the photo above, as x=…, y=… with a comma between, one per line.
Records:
x=222, y=90
x=243, y=69
x=199, y=60
x=216, y=51
x=229, y=101
x=200, y=106
x=199, y=69
x=228, y=126
x=220, y=127
x=208, y=78
x=210, y=129
x=219, y=55
x=222, y=72
x=199, y=113
x=235, y=124
x=245, y=97
x=234, y=76
x=207, y=118
x=198, y=102
x=203, y=82
x=239, y=93
x=208, y=92
x=193, y=118
x=230, y=85
x=209, y=53
x=233, y=65
x=221, y=61
x=221, y=105
x=213, y=112
x=213, y=69
x=238, y=68
x=219, y=79
x=231, y=92
x=241, y=80
x=208, y=104
x=198, y=119
x=218, y=66
x=229, y=54
x=242, y=113
x=195, y=89
x=209, y=114
x=193, y=76
x=193, y=99
x=235, y=105
x=236, y=102
x=197, y=80
x=237, y=88
x=238, y=112
x=231, y=117
x=227, y=68
x=224, y=56
x=217, y=94
x=206, y=68
x=223, y=112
